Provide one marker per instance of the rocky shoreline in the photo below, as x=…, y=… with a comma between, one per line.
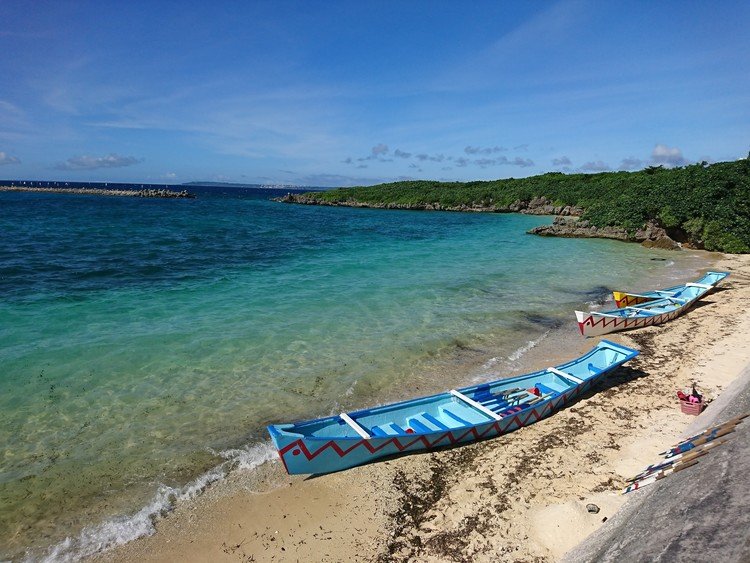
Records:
x=567, y=223
x=651, y=235
x=168, y=194
x=536, y=206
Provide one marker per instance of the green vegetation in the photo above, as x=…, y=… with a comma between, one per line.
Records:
x=705, y=205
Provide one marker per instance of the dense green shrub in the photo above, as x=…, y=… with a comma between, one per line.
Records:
x=706, y=204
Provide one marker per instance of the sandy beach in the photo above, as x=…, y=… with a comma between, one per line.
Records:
x=520, y=497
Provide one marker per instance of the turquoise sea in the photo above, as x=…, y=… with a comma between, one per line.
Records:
x=146, y=343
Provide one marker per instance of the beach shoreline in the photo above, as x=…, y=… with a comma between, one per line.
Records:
x=518, y=497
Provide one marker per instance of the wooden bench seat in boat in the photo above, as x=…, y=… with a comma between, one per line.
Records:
x=391, y=429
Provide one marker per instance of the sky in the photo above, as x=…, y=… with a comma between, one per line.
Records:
x=342, y=93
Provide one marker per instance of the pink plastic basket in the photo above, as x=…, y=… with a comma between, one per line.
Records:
x=691, y=408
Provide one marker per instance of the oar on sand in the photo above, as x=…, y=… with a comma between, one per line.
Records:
x=656, y=476
x=687, y=446
x=731, y=422
x=680, y=458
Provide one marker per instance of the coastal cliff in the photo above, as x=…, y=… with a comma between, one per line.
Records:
x=651, y=235
x=536, y=206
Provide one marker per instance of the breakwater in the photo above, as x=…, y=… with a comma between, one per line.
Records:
x=146, y=192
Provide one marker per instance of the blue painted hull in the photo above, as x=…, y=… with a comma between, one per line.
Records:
x=638, y=310
x=465, y=415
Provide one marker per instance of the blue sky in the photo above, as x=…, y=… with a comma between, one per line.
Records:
x=346, y=93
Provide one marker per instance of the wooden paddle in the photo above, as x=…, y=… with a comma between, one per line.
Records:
x=687, y=446
x=680, y=458
x=657, y=476
x=731, y=422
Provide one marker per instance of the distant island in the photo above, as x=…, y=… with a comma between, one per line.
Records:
x=277, y=187
x=701, y=205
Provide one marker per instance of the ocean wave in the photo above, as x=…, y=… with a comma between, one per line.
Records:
x=488, y=369
x=126, y=528
x=519, y=352
x=489, y=364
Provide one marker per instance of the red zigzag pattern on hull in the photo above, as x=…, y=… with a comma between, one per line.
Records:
x=629, y=300
x=625, y=323
x=493, y=429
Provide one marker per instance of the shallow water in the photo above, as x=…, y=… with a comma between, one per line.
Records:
x=141, y=339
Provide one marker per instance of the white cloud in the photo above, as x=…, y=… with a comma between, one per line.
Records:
x=597, y=166
x=668, y=156
x=562, y=161
x=8, y=159
x=86, y=162
x=631, y=163
x=485, y=150
x=379, y=149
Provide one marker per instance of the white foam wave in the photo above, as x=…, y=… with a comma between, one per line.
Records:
x=123, y=529
x=250, y=456
x=518, y=353
x=488, y=369
x=350, y=390
x=489, y=364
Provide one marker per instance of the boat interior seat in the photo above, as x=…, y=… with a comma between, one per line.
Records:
x=455, y=418
x=425, y=422
x=434, y=421
x=378, y=431
x=419, y=426
x=391, y=429
x=397, y=429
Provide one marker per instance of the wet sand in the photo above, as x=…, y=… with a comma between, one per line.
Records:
x=520, y=497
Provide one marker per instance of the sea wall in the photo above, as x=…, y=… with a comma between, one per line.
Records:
x=96, y=191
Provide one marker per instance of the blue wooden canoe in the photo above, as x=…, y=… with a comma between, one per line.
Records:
x=463, y=415
x=624, y=299
x=638, y=310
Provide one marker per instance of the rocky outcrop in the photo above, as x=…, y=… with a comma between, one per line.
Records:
x=651, y=235
x=543, y=206
x=162, y=193
x=577, y=228
x=537, y=206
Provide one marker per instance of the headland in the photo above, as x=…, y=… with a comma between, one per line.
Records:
x=699, y=206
